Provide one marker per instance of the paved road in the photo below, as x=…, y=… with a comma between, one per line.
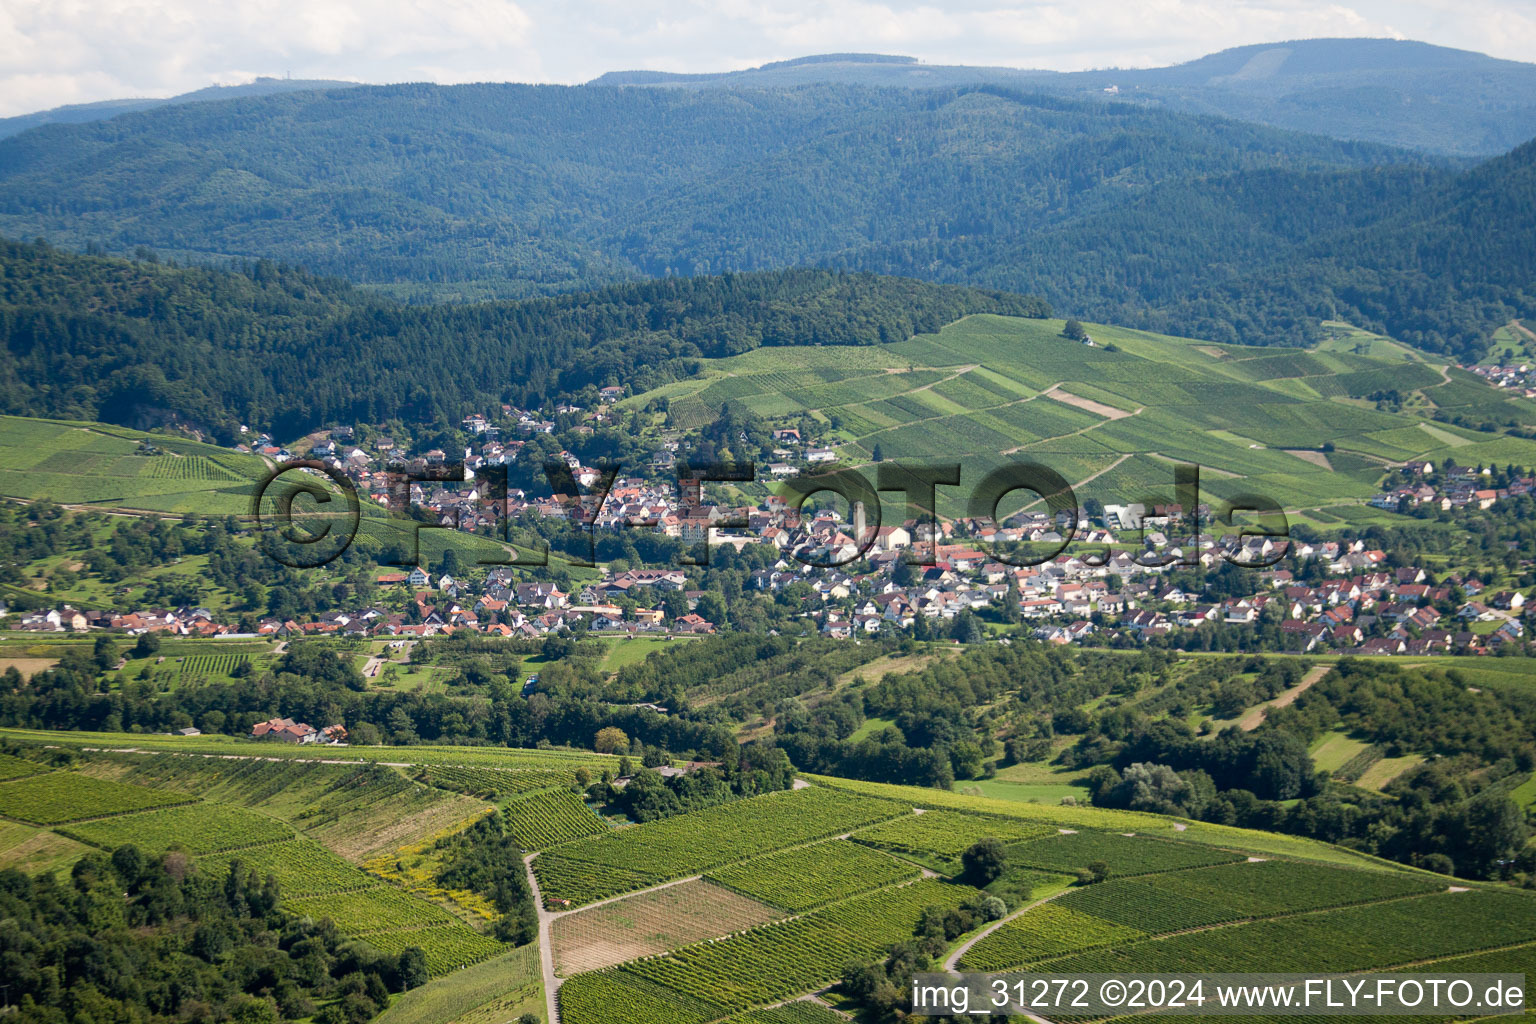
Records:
x=547, y=918
x=546, y=948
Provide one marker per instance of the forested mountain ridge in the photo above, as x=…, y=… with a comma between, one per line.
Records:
x=503, y=190
x=1392, y=91
x=1432, y=257
x=80, y=113
x=141, y=343
x=1117, y=212
x=1399, y=92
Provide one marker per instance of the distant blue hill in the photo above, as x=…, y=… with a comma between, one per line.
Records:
x=1402, y=93
x=80, y=113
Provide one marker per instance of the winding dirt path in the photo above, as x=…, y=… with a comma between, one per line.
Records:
x=965, y=947
x=1252, y=719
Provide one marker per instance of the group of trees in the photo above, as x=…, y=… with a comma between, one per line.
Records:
x=315, y=684
x=882, y=989
x=485, y=859
x=1452, y=813
x=758, y=768
x=1205, y=227
x=119, y=551
x=144, y=344
x=138, y=939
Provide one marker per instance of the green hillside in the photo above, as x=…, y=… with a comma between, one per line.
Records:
x=1122, y=212
x=512, y=190
x=141, y=343
x=1116, y=416
x=114, y=467
x=366, y=846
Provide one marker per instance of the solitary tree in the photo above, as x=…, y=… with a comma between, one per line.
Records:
x=610, y=740
x=413, y=967
x=984, y=862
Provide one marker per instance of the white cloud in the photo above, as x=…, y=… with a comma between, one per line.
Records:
x=66, y=51
x=70, y=51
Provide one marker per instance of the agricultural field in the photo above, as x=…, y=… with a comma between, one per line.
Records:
x=549, y=819
x=801, y=1012
x=1101, y=819
x=1026, y=792
x=449, y=947
x=807, y=877
x=709, y=980
x=1334, y=750
x=112, y=467
x=632, y=650
x=96, y=808
x=781, y=906
x=1124, y=855
x=1360, y=762
x=1229, y=892
x=649, y=923
x=58, y=797
x=632, y=858
x=1360, y=938
x=36, y=850
x=946, y=833
x=302, y=867
x=211, y=667
x=1055, y=817
x=358, y=811
x=27, y=667
x=492, y=992
x=1113, y=417
x=1122, y=911
x=1050, y=929
x=196, y=828
x=1385, y=769
x=379, y=908
x=16, y=767
x=1525, y=793
x=495, y=783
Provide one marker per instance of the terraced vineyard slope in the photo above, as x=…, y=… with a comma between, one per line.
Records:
x=1113, y=417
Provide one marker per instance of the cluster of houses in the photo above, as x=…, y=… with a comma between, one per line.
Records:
x=184, y=621
x=1462, y=489
x=286, y=730
x=469, y=506
x=502, y=606
x=1520, y=378
x=1353, y=602
x=1358, y=606
x=1396, y=613
x=855, y=574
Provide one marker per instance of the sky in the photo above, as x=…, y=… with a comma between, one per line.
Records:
x=54, y=52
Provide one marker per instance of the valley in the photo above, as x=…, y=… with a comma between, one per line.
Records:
x=723, y=542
